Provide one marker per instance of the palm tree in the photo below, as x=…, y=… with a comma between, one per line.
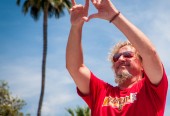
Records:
x=49, y=8
x=79, y=111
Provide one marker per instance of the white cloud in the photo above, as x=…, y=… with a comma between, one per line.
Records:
x=24, y=80
x=54, y=102
x=21, y=79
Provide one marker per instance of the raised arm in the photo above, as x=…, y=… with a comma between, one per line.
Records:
x=151, y=61
x=74, y=54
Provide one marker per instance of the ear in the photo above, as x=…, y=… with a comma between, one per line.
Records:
x=141, y=67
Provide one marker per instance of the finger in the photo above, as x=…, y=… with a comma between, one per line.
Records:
x=77, y=8
x=94, y=1
x=93, y=16
x=73, y=2
x=99, y=1
x=70, y=10
x=85, y=19
x=87, y=4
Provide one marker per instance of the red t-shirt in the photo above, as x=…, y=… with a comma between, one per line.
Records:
x=142, y=99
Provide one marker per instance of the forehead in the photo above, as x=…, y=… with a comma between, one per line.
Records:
x=126, y=48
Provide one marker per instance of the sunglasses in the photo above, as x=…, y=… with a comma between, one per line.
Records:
x=127, y=54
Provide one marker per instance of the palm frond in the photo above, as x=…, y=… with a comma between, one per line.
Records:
x=67, y=4
x=18, y=2
x=34, y=6
x=58, y=6
x=79, y=111
x=51, y=11
x=70, y=111
x=55, y=7
x=59, y=11
x=87, y=111
x=26, y=6
x=35, y=12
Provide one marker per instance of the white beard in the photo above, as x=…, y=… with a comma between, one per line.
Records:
x=122, y=76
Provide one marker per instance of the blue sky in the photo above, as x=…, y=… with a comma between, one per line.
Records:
x=21, y=51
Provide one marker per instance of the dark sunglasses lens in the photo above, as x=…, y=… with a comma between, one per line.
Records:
x=128, y=54
x=116, y=57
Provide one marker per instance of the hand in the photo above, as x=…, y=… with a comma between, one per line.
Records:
x=79, y=13
x=106, y=10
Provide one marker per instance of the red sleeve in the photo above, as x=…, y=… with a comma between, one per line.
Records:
x=158, y=92
x=95, y=86
x=161, y=88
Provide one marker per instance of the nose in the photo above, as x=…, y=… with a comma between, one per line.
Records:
x=121, y=58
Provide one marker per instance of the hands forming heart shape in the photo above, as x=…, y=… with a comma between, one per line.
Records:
x=79, y=13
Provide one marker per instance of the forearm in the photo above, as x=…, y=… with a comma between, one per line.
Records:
x=139, y=40
x=74, y=55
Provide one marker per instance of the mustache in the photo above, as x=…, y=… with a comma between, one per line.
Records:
x=124, y=64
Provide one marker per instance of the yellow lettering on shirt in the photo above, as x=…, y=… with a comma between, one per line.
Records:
x=119, y=102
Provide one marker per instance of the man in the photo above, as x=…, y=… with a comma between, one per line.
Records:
x=139, y=73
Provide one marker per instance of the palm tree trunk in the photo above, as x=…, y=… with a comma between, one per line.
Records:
x=45, y=19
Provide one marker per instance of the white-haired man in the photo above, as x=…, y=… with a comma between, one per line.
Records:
x=139, y=73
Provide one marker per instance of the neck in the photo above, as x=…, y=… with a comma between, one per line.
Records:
x=129, y=82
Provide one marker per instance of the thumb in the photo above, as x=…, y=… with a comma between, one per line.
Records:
x=85, y=18
x=93, y=16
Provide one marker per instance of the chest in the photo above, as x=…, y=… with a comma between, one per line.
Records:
x=114, y=102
